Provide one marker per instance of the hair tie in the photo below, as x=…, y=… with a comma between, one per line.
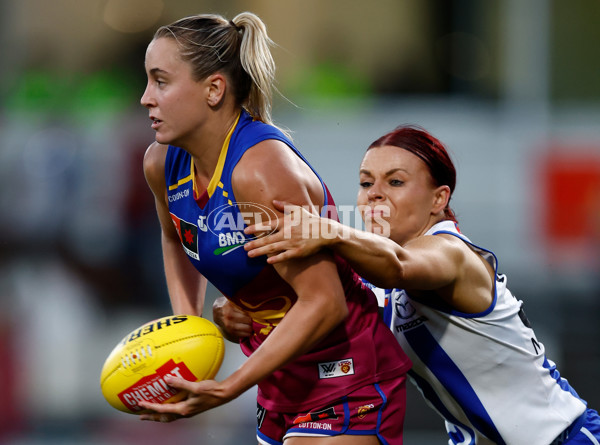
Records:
x=237, y=28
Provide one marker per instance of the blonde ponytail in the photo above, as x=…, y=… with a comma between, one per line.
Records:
x=257, y=61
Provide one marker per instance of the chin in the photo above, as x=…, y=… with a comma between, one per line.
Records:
x=162, y=139
x=378, y=228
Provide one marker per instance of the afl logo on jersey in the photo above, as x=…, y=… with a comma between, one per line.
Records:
x=234, y=217
x=404, y=309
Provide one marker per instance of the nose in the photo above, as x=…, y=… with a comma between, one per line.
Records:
x=375, y=193
x=146, y=100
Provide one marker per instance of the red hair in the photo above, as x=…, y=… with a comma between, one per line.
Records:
x=431, y=151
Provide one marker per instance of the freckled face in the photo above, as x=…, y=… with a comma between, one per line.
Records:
x=175, y=100
x=399, y=182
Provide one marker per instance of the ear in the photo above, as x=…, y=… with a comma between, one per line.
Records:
x=217, y=84
x=441, y=197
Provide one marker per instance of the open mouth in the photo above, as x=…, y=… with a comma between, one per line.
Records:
x=155, y=122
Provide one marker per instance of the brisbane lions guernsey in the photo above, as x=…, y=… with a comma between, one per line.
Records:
x=486, y=374
x=211, y=225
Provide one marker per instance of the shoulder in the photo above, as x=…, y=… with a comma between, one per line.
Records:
x=269, y=161
x=272, y=170
x=454, y=247
x=458, y=246
x=442, y=258
x=446, y=242
x=155, y=155
x=474, y=286
x=154, y=164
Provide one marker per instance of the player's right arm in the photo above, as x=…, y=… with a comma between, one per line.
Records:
x=186, y=285
x=442, y=266
x=428, y=263
x=303, y=233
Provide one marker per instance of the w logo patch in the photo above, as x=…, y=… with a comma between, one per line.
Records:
x=339, y=368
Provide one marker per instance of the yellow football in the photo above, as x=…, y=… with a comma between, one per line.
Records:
x=185, y=346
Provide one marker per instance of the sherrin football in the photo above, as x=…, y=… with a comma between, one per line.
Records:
x=185, y=346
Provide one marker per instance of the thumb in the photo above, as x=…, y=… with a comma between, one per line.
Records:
x=282, y=206
x=178, y=382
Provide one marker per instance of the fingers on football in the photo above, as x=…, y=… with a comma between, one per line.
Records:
x=163, y=418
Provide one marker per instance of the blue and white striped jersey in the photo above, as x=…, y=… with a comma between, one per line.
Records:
x=486, y=374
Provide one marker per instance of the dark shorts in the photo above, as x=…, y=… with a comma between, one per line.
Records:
x=376, y=409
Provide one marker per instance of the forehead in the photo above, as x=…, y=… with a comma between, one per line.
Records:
x=163, y=53
x=388, y=157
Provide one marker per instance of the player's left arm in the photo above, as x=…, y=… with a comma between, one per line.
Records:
x=186, y=286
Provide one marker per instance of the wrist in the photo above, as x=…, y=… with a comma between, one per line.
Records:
x=331, y=232
x=237, y=383
x=342, y=232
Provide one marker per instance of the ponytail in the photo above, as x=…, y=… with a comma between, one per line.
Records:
x=258, y=63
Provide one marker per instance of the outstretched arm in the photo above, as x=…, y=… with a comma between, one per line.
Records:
x=425, y=263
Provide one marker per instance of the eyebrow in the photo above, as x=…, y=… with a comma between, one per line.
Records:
x=157, y=71
x=387, y=173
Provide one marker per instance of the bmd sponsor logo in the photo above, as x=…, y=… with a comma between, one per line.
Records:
x=227, y=223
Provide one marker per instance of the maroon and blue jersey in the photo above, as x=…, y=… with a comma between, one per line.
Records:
x=211, y=225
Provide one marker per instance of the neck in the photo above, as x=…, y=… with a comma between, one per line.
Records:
x=206, y=148
x=433, y=220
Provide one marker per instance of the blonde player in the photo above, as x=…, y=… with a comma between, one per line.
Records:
x=327, y=368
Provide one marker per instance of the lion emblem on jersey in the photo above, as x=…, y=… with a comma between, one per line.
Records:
x=364, y=410
x=345, y=367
